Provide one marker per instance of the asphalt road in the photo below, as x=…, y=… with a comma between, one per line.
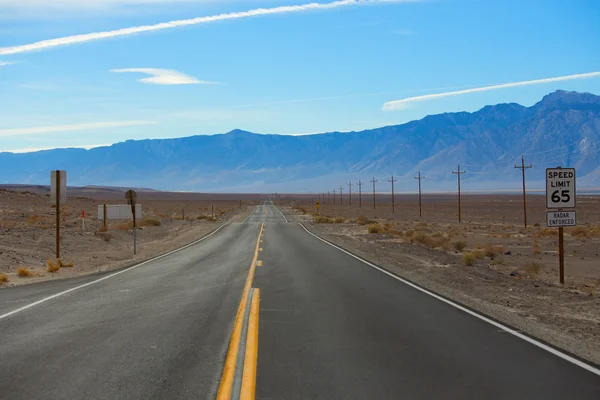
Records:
x=330, y=327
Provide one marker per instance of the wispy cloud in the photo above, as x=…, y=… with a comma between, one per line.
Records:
x=4, y=63
x=70, y=128
x=68, y=40
x=165, y=76
x=404, y=103
x=33, y=149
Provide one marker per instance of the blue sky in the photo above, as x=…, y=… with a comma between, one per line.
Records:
x=290, y=72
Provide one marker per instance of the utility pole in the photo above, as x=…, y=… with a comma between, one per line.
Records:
x=523, y=167
x=459, y=173
x=373, y=181
x=334, y=197
x=350, y=193
x=328, y=196
x=419, y=178
x=360, y=194
x=393, y=202
x=341, y=195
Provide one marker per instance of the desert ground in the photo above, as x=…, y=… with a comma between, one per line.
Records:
x=489, y=262
x=169, y=221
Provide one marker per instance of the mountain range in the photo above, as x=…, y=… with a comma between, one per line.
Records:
x=561, y=129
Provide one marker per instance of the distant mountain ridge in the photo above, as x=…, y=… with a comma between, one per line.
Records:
x=562, y=129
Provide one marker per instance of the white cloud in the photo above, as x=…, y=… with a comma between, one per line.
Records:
x=70, y=128
x=68, y=40
x=165, y=76
x=3, y=63
x=402, y=104
x=33, y=149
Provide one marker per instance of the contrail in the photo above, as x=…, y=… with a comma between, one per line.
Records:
x=67, y=40
x=401, y=104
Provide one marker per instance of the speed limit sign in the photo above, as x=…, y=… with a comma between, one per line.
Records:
x=560, y=188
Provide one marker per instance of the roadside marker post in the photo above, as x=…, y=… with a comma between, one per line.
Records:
x=560, y=194
x=318, y=205
x=82, y=220
x=58, y=192
x=131, y=197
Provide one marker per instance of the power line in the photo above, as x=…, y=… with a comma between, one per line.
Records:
x=341, y=195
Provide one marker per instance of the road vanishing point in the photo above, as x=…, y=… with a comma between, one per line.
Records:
x=263, y=309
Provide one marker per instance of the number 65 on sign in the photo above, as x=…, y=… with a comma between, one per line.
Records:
x=560, y=188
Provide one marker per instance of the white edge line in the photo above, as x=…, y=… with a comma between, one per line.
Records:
x=249, y=215
x=541, y=345
x=277, y=208
x=8, y=314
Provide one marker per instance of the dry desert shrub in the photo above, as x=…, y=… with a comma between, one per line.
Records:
x=436, y=234
x=533, y=268
x=468, y=258
x=409, y=233
x=322, y=219
x=122, y=226
x=24, y=272
x=536, y=248
x=362, y=220
x=3, y=278
x=150, y=221
x=478, y=254
x=375, y=228
x=459, y=245
x=339, y=220
x=497, y=261
x=546, y=232
x=35, y=219
x=580, y=232
x=52, y=266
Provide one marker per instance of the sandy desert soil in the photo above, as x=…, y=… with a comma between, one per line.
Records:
x=514, y=275
x=170, y=220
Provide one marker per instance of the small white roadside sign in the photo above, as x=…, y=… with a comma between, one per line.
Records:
x=118, y=211
x=560, y=188
x=561, y=218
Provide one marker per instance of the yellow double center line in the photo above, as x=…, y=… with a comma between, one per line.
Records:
x=249, y=374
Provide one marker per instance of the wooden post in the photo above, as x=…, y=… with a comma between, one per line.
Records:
x=134, y=230
x=212, y=207
x=393, y=202
x=561, y=253
x=360, y=194
x=420, y=208
x=57, y=214
x=104, y=205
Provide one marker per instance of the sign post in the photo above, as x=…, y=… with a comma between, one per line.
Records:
x=561, y=194
x=58, y=193
x=318, y=205
x=131, y=197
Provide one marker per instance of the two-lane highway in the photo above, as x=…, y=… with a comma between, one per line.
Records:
x=329, y=327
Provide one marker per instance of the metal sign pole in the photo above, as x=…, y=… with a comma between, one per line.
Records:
x=57, y=214
x=561, y=253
